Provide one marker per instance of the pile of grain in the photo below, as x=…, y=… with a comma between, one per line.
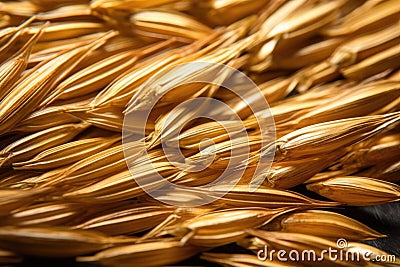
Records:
x=329, y=70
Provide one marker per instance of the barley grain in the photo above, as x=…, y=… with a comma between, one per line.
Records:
x=357, y=191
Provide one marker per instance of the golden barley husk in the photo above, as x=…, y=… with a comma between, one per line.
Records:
x=357, y=191
x=323, y=223
x=71, y=69
x=56, y=241
x=162, y=252
x=50, y=214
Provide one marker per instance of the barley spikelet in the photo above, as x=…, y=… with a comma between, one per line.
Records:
x=84, y=179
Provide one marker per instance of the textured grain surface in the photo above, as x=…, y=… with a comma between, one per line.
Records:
x=71, y=69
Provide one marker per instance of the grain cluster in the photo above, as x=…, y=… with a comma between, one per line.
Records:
x=71, y=69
